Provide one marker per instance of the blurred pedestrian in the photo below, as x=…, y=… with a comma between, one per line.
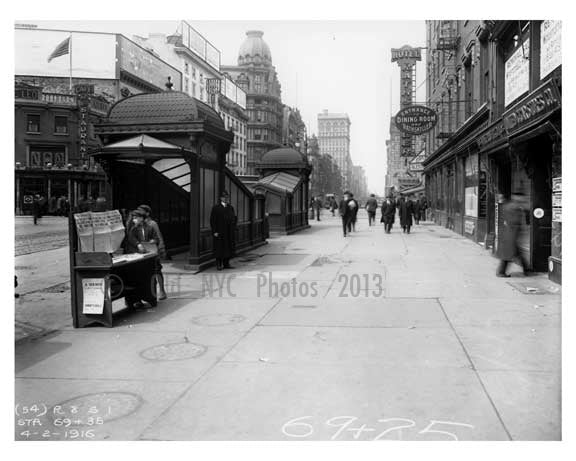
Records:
x=317, y=207
x=371, y=207
x=388, y=213
x=333, y=205
x=514, y=216
x=223, y=225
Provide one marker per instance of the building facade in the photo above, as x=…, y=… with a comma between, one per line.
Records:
x=257, y=77
x=53, y=134
x=192, y=54
x=497, y=86
x=232, y=109
x=334, y=140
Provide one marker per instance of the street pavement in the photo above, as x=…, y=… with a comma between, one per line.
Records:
x=311, y=337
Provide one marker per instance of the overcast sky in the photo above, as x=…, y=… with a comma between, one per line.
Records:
x=342, y=66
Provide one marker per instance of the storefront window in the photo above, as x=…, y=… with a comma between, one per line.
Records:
x=471, y=186
x=33, y=123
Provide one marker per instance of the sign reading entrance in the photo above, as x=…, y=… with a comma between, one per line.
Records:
x=416, y=120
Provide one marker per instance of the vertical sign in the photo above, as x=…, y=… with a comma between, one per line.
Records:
x=550, y=46
x=83, y=101
x=517, y=72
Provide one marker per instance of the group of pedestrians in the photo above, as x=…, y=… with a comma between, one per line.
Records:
x=407, y=207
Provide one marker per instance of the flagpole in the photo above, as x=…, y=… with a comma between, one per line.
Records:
x=70, y=66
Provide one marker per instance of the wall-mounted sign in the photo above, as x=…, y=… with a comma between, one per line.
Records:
x=516, y=73
x=492, y=136
x=538, y=213
x=195, y=42
x=142, y=64
x=557, y=214
x=550, y=46
x=469, y=226
x=535, y=107
x=41, y=156
x=416, y=120
x=213, y=85
x=557, y=199
x=557, y=184
x=93, y=296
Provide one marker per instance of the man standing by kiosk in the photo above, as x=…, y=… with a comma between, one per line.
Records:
x=223, y=225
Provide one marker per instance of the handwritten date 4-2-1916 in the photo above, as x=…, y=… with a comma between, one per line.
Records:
x=383, y=429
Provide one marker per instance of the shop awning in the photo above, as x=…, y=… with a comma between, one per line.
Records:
x=280, y=182
x=140, y=146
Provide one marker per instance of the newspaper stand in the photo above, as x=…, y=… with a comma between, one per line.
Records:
x=112, y=277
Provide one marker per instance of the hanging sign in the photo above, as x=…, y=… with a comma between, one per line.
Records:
x=416, y=120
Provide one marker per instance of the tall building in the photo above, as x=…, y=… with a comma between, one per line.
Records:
x=334, y=140
x=256, y=75
x=497, y=86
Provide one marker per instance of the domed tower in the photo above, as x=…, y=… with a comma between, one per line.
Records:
x=256, y=75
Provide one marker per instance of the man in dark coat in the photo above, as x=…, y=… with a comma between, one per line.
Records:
x=354, y=206
x=223, y=225
x=513, y=217
x=406, y=210
x=422, y=205
x=371, y=207
x=345, y=212
x=36, y=208
x=388, y=213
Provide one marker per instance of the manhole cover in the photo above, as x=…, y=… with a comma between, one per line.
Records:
x=106, y=405
x=213, y=320
x=172, y=352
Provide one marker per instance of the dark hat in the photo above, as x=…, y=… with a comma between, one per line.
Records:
x=139, y=212
x=348, y=193
x=224, y=194
x=146, y=208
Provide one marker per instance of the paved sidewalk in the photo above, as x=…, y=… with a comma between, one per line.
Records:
x=313, y=337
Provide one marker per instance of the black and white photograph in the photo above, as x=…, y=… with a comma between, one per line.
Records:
x=294, y=229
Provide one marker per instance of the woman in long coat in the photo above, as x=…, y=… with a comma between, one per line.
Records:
x=388, y=214
x=223, y=225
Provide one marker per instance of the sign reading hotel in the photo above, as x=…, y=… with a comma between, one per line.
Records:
x=550, y=46
x=406, y=52
x=516, y=73
x=416, y=120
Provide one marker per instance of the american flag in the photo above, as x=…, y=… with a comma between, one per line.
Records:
x=62, y=49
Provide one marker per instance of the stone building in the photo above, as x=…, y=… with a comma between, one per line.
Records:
x=334, y=140
x=256, y=75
